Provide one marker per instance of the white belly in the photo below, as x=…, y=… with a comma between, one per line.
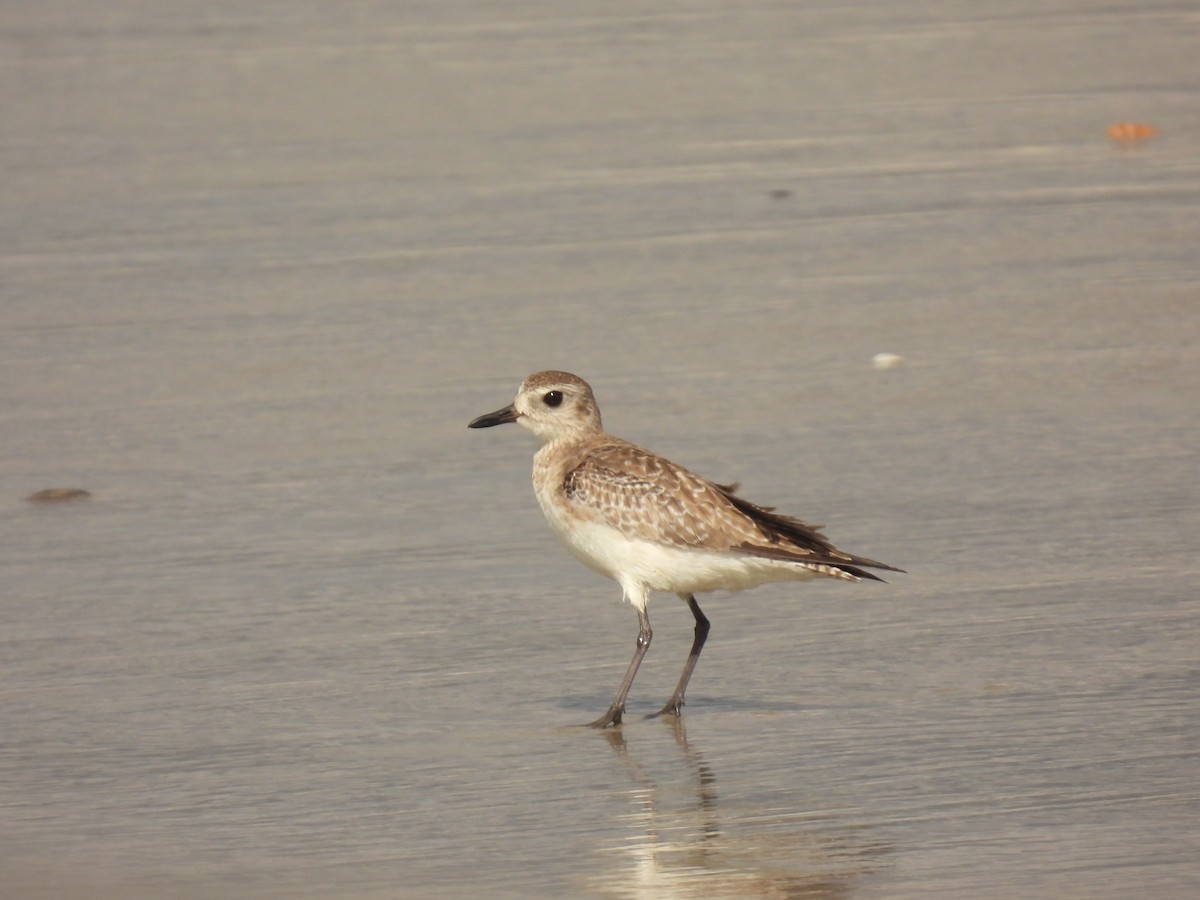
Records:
x=664, y=567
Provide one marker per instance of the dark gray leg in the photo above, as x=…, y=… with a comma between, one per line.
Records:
x=617, y=709
x=676, y=702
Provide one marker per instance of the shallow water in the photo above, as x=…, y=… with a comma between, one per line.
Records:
x=309, y=636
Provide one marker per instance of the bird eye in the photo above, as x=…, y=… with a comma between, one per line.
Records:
x=553, y=398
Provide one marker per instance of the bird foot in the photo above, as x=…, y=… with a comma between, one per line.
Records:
x=610, y=718
x=674, y=707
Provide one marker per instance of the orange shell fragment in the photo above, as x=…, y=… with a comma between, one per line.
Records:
x=1131, y=131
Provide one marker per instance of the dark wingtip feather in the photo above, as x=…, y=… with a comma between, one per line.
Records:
x=811, y=544
x=862, y=573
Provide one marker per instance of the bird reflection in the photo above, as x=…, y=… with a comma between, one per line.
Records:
x=675, y=845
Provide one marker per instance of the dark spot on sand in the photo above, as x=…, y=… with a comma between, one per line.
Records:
x=58, y=495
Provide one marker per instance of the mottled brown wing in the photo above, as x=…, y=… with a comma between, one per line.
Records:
x=646, y=496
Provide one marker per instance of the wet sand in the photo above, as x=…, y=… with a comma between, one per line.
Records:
x=310, y=637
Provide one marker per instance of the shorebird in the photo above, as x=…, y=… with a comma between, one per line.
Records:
x=652, y=525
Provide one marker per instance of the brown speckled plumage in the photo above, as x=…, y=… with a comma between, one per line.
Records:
x=646, y=496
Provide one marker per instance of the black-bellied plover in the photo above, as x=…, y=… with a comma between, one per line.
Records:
x=652, y=525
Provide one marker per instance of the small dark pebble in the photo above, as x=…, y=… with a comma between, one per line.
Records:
x=58, y=495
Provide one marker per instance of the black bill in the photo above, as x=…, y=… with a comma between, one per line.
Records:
x=499, y=417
